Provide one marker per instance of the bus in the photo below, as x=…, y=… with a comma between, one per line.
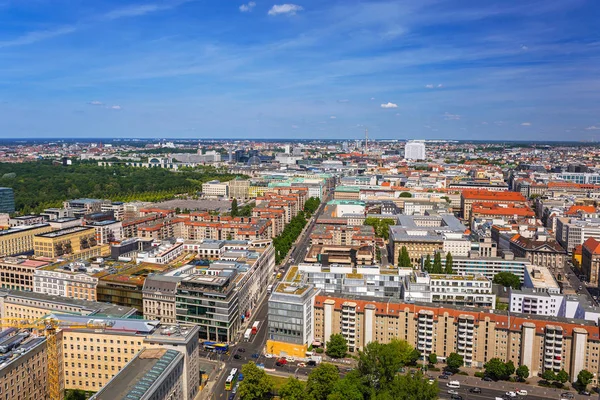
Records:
x=247, y=334
x=216, y=347
x=255, y=326
x=231, y=379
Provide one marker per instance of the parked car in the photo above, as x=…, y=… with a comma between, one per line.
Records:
x=567, y=395
x=282, y=361
x=255, y=355
x=456, y=397
x=241, y=350
x=522, y=392
x=431, y=381
x=237, y=356
x=311, y=363
x=584, y=393
x=452, y=391
x=268, y=355
x=231, y=396
x=443, y=377
x=511, y=394
x=278, y=364
x=475, y=390
x=487, y=379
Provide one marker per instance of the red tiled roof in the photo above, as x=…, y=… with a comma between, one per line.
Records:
x=592, y=245
x=576, y=208
x=492, y=196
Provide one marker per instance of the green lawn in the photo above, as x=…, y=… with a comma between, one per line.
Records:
x=278, y=381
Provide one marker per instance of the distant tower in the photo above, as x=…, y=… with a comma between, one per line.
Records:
x=366, y=141
x=230, y=153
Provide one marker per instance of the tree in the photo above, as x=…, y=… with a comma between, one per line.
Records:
x=381, y=226
x=437, y=264
x=562, y=376
x=234, y=208
x=349, y=388
x=549, y=375
x=523, y=372
x=405, y=195
x=337, y=347
x=311, y=205
x=448, y=268
x=76, y=394
x=507, y=279
x=427, y=267
x=498, y=370
x=378, y=363
x=404, y=258
x=409, y=387
x=256, y=384
x=321, y=381
x=584, y=377
x=454, y=362
x=432, y=359
x=293, y=389
x=509, y=368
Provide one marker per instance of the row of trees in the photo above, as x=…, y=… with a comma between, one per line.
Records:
x=56, y=183
x=436, y=267
x=311, y=205
x=381, y=226
x=375, y=378
x=283, y=243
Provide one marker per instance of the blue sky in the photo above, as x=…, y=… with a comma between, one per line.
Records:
x=460, y=69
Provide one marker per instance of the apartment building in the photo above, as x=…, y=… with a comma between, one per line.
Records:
x=468, y=197
x=462, y=290
x=131, y=225
x=107, y=231
x=26, y=220
x=24, y=369
x=16, y=273
x=19, y=239
x=532, y=301
x=474, y=264
x=538, y=342
x=72, y=243
x=65, y=281
x=159, y=297
x=487, y=210
x=201, y=226
x=422, y=235
x=165, y=253
x=343, y=235
x=117, y=208
x=239, y=189
x=590, y=260
x=89, y=205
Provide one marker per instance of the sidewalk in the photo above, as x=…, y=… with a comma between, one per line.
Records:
x=213, y=378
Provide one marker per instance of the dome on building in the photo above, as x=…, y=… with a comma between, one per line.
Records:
x=254, y=160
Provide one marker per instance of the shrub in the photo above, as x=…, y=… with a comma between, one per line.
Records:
x=479, y=374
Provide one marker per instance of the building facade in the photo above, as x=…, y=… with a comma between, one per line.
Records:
x=7, y=200
x=72, y=243
x=64, y=283
x=20, y=239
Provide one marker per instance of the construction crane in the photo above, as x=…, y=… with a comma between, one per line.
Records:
x=49, y=327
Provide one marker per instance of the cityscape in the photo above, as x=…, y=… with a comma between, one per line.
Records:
x=317, y=200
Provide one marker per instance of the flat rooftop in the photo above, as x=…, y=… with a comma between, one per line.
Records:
x=66, y=231
x=135, y=380
x=23, y=228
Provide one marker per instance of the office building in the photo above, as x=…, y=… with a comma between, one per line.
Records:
x=474, y=264
x=469, y=197
x=70, y=244
x=16, y=273
x=24, y=368
x=107, y=231
x=414, y=150
x=159, y=296
x=461, y=290
x=571, y=232
x=20, y=239
x=7, y=200
x=540, y=250
x=215, y=188
x=66, y=280
x=26, y=220
x=590, y=261
x=88, y=205
x=532, y=301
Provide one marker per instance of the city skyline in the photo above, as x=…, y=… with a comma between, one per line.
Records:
x=407, y=70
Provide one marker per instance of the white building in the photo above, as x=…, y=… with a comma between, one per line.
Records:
x=414, y=150
x=464, y=290
x=532, y=301
x=163, y=254
x=540, y=279
x=456, y=245
x=571, y=232
x=65, y=283
x=215, y=188
x=107, y=231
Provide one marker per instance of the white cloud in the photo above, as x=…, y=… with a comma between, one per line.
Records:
x=372, y=98
x=397, y=114
x=247, y=7
x=453, y=117
x=332, y=117
x=430, y=86
x=440, y=85
x=526, y=124
x=96, y=103
x=484, y=123
x=389, y=105
x=289, y=9
x=115, y=107
x=133, y=11
x=523, y=47
x=592, y=128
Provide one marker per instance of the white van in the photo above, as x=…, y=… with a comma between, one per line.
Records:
x=453, y=384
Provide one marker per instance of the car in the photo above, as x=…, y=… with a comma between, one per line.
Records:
x=282, y=361
x=452, y=391
x=255, y=355
x=231, y=396
x=302, y=364
x=448, y=373
x=567, y=395
x=487, y=379
x=261, y=366
x=278, y=364
x=234, y=390
x=268, y=355
x=456, y=397
x=510, y=394
x=348, y=369
x=311, y=363
x=522, y=392
x=584, y=393
x=237, y=356
x=290, y=359
x=475, y=390
x=241, y=350
x=431, y=381
x=443, y=377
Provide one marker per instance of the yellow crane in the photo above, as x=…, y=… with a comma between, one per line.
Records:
x=48, y=327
